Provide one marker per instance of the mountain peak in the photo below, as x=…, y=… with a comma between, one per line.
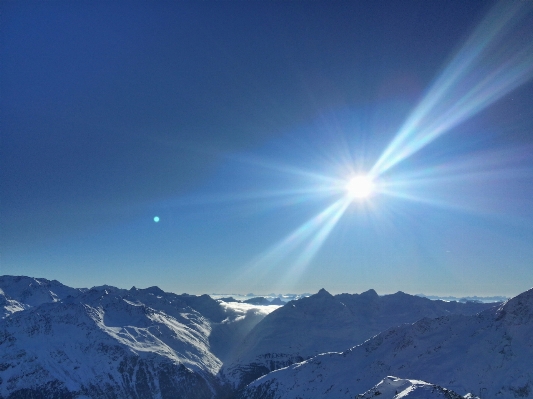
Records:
x=154, y=290
x=371, y=293
x=400, y=293
x=322, y=292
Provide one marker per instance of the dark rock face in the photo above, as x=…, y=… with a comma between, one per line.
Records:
x=51, y=390
x=263, y=391
x=141, y=379
x=270, y=362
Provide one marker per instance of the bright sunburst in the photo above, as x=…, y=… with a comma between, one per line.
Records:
x=481, y=73
x=360, y=187
x=459, y=93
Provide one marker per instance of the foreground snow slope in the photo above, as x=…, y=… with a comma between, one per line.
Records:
x=489, y=354
x=397, y=388
x=323, y=323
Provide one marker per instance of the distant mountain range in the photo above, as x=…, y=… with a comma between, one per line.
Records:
x=284, y=298
x=105, y=342
x=486, y=299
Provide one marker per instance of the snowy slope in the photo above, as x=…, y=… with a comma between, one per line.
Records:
x=489, y=354
x=9, y=306
x=323, y=323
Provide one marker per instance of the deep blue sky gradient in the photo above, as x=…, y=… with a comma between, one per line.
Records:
x=115, y=112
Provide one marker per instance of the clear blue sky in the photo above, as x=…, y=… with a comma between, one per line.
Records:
x=237, y=123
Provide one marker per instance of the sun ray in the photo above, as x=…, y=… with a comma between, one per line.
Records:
x=281, y=250
x=482, y=72
x=479, y=178
x=491, y=63
x=284, y=168
x=309, y=192
x=314, y=231
x=314, y=245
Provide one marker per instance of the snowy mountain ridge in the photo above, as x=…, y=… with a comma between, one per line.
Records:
x=100, y=344
x=19, y=292
x=324, y=323
x=488, y=354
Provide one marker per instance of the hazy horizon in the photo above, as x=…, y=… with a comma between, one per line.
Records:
x=287, y=296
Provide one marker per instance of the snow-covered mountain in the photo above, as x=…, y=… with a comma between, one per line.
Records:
x=102, y=344
x=19, y=292
x=105, y=342
x=324, y=323
x=489, y=354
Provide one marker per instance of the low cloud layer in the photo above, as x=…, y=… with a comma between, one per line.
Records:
x=227, y=336
x=238, y=311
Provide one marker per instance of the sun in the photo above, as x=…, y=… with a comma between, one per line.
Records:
x=359, y=187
